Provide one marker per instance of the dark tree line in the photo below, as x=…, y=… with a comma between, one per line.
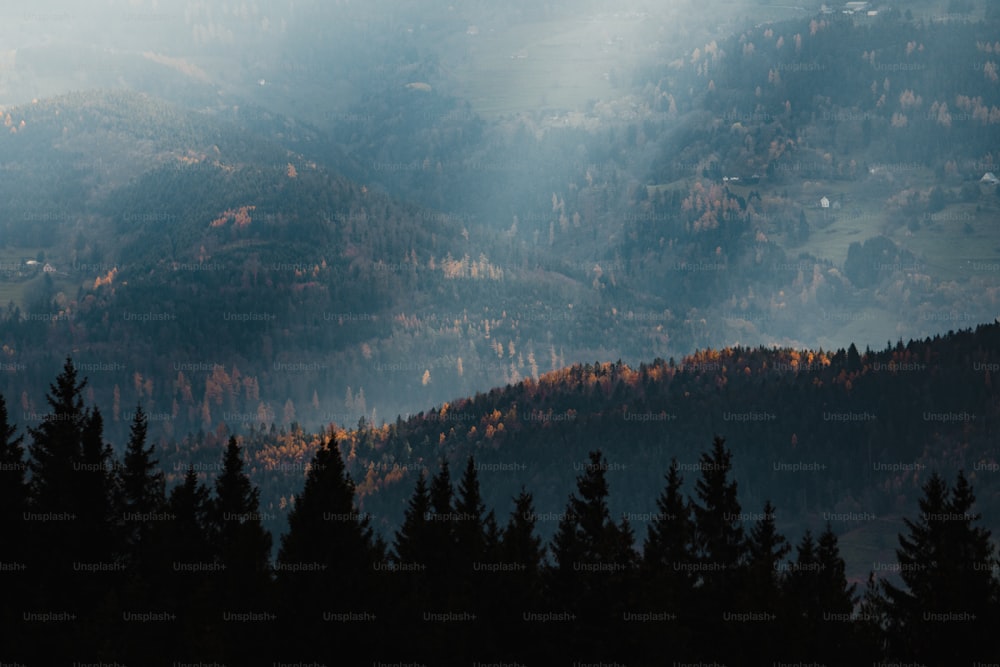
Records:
x=102, y=564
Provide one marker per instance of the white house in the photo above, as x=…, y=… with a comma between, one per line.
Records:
x=824, y=203
x=989, y=178
x=854, y=7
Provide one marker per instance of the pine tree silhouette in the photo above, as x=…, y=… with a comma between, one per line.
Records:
x=442, y=527
x=241, y=543
x=720, y=552
x=194, y=570
x=837, y=641
x=413, y=553
x=476, y=543
x=413, y=545
x=70, y=534
x=140, y=493
x=325, y=564
x=13, y=528
x=522, y=588
x=666, y=569
x=943, y=613
x=594, y=559
x=761, y=591
x=470, y=516
x=141, y=523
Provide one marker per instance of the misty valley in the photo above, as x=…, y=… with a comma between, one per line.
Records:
x=562, y=333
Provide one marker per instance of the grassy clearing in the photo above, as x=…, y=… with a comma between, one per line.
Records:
x=957, y=242
x=17, y=279
x=11, y=292
x=952, y=244
x=14, y=275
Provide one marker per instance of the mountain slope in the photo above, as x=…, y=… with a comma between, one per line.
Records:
x=841, y=436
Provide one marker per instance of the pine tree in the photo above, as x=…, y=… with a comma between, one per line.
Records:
x=442, y=522
x=761, y=591
x=13, y=552
x=56, y=448
x=720, y=553
x=766, y=549
x=838, y=642
x=70, y=491
x=587, y=533
x=189, y=507
x=470, y=533
x=471, y=539
x=13, y=490
x=141, y=491
x=853, y=359
x=326, y=559
x=96, y=488
x=669, y=538
x=414, y=550
x=239, y=536
x=872, y=622
x=518, y=543
x=802, y=587
x=491, y=537
x=413, y=545
x=325, y=525
x=194, y=569
x=944, y=612
x=667, y=567
x=140, y=502
x=838, y=596
x=593, y=561
x=719, y=539
x=243, y=546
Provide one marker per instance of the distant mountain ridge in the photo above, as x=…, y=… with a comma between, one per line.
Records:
x=840, y=436
x=168, y=224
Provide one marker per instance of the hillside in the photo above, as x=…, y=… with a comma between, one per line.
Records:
x=405, y=246
x=695, y=185
x=97, y=536
x=842, y=436
x=421, y=302
x=216, y=275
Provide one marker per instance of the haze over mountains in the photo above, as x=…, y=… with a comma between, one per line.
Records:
x=403, y=187
x=411, y=233
x=272, y=213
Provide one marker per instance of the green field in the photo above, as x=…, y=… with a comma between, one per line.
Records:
x=948, y=243
x=10, y=292
x=957, y=240
x=11, y=285
x=16, y=279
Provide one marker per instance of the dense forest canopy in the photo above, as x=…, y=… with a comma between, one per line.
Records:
x=105, y=563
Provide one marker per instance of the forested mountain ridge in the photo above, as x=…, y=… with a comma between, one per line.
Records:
x=101, y=561
x=187, y=224
x=268, y=234
x=699, y=182
x=401, y=247
x=841, y=436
